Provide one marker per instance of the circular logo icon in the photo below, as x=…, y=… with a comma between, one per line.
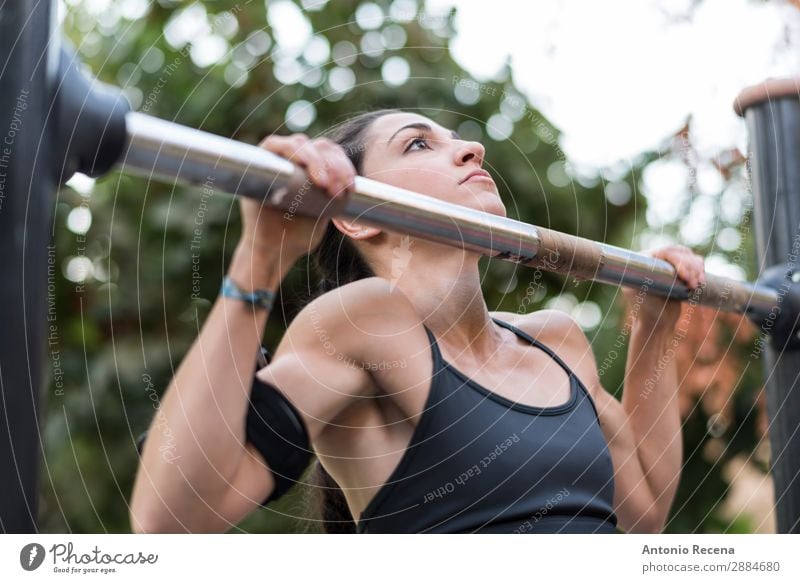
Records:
x=31, y=556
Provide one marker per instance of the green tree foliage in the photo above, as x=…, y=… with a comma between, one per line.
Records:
x=126, y=308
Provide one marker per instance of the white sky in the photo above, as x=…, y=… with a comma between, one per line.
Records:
x=617, y=77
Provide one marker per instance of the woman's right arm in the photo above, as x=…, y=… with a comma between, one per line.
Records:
x=196, y=455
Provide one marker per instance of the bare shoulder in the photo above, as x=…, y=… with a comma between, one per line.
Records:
x=348, y=312
x=561, y=333
x=548, y=326
x=363, y=296
x=366, y=298
x=325, y=361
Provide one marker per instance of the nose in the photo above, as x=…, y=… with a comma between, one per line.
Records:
x=470, y=151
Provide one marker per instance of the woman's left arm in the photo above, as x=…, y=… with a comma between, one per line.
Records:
x=650, y=394
x=643, y=431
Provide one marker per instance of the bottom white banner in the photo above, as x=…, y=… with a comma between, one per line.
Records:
x=396, y=558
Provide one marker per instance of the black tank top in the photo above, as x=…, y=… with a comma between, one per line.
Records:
x=479, y=462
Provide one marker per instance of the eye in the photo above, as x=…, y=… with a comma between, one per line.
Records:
x=419, y=139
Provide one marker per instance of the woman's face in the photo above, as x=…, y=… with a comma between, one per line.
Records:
x=413, y=152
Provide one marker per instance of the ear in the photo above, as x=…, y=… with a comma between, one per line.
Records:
x=354, y=229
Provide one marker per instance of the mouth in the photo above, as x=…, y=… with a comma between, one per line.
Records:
x=477, y=175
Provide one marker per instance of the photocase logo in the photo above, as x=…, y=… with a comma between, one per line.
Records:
x=31, y=556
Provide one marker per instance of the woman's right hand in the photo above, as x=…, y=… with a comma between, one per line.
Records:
x=294, y=235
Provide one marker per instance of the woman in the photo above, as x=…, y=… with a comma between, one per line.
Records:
x=431, y=413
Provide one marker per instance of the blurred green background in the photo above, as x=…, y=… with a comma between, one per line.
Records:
x=246, y=69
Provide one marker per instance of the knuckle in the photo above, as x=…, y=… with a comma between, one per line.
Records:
x=272, y=141
x=319, y=174
x=324, y=142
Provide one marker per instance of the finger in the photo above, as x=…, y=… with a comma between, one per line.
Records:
x=684, y=270
x=698, y=268
x=344, y=170
x=687, y=278
x=308, y=158
x=684, y=260
x=695, y=269
x=671, y=253
x=692, y=274
x=290, y=147
x=689, y=267
x=283, y=145
x=339, y=165
x=314, y=164
x=683, y=249
x=299, y=149
x=701, y=270
x=325, y=155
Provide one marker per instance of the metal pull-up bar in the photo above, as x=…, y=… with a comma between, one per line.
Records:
x=174, y=152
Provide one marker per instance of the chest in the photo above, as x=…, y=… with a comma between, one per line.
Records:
x=368, y=439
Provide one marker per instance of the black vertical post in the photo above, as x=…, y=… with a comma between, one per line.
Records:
x=26, y=187
x=772, y=111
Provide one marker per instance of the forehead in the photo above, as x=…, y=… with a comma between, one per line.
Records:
x=385, y=126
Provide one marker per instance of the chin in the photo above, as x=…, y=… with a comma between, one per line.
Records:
x=493, y=205
x=498, y=209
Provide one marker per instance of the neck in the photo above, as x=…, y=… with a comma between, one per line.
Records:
x=444, y=285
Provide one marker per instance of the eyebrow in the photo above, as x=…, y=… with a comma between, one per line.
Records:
x=419, y=126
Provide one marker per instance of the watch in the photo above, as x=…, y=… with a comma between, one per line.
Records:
x=263, y=298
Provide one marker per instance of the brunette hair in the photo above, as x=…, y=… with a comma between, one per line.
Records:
x=337, y=261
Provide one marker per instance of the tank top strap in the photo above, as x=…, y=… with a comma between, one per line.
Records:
x=436, y=353
x=536, y=343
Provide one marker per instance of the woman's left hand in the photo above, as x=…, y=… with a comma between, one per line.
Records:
x=660, y=311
